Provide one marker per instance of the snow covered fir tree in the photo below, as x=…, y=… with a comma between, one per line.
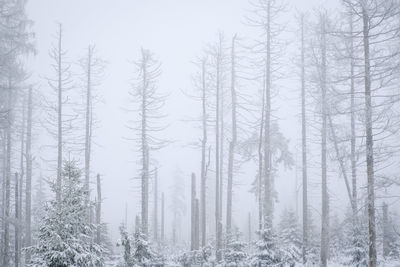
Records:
x=65, y=237
x=247, y=133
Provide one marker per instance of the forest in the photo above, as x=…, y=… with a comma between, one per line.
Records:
x=226, y=133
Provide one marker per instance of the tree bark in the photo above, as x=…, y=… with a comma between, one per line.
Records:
x=369, y=142
x=145, y=151
x=162, y=217
x=17, y=244
x=232, y=144
x=155, y=223
x=324, y=187
x=193, y=213
x=197, y=225
x=59, y=116
x=385, y=227
x=88, y=125
x=203, y=156
x=6, y=239
x=28, y=186
x=217, y=156
x=304, y=145
x=98, y=210
x=267, y=117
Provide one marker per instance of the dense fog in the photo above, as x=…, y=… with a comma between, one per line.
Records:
x=199, y=133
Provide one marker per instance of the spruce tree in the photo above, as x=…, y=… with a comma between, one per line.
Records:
x=65, y=236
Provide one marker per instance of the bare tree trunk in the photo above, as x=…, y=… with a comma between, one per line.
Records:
x=59, y=116
x=28, y=186
x=352, y=123
x=324, y=188
x=232, y=144
x=155, y=223
x=17, y=253
x=260, y=160
x=249, y=227
x=203, y=155
x=88, y=124
x=267, y=145
x=162, y=217
x=6, y=256
x=197, y=225
x=98, y=210
x=217, y=157
x=304, y=146
x=22, y=174
x=369, y=142
x=145, y=153
x=193, y=213
x=385, y=227
x=3, y=187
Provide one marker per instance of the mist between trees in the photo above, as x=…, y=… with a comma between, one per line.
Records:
x=278, y=146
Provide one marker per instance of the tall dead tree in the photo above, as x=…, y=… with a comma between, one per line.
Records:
x=324, y=186
x=28, y=186
x=218, y=91
x=57, y=56
x=376, y=31
x=150, y=103
x=59, y=119
x=304, y=143
x=93, y=70
x=88, y=124
x=267, y=16
x=232, y=144
x=203, y=171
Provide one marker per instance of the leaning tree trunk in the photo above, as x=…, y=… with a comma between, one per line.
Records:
x=232, y=144
x=369, y=142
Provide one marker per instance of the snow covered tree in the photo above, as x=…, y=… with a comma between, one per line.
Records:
x=235, y=254
x=268, y=253
x=142, y=253
x=290, y=239
x=65, y=236
x=126, y=242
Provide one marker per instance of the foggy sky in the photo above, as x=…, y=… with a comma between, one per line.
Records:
x=176, y=31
